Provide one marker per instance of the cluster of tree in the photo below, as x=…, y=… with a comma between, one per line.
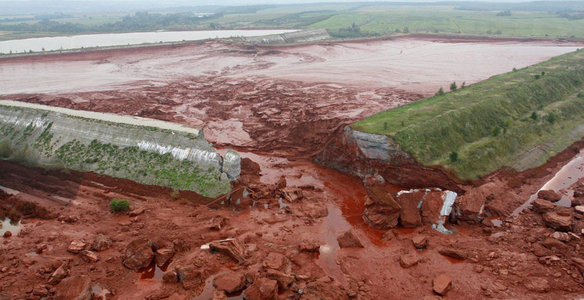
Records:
x=505, y=13
x=140, y=21
x=348, y=32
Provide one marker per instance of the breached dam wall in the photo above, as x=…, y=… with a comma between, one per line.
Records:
x=361, y=154
x=303, y=36
x=144, y=150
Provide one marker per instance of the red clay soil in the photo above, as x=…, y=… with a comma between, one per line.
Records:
x=286, y=212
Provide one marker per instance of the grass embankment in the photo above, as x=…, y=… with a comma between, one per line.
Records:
x=518, y=119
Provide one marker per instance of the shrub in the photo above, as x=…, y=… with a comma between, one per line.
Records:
x=453, y=86
x=119, y=205
x=453, y=156
x=440, y=92
x=534, y=116
x=581, y=95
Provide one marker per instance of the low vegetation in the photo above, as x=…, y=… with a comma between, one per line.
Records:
x=119, y=205
x=516, y=119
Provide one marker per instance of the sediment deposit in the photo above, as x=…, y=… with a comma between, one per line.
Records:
x=290, y=227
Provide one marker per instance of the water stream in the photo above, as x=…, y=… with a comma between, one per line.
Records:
x=563, y=179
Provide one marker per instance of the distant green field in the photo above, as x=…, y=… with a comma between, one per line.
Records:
x=343, y=20
x=447, y=20
x=518, y=119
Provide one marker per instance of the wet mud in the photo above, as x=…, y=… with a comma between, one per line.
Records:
x=278, y=108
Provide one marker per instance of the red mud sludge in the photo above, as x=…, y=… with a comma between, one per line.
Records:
x=283, y=233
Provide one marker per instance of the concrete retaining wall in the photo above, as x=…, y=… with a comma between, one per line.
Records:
x=144, y=150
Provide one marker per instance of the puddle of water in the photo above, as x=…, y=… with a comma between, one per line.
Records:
x=334, y=224
x=566, y=176
x=9, y=225
x=99, y=293
x=208, y=290
x=154, y=272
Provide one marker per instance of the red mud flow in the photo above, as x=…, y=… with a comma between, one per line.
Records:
x=278, y=106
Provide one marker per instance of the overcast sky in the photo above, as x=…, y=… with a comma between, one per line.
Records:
x=27, y=7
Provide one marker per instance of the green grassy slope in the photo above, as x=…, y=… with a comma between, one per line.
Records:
x=518, y=119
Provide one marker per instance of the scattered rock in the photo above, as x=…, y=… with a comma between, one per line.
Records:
x=284, y=280
x=388, y=236
x=557, y=221
x=88, y=256
x=40, y=290
x=230, y=247
x=291, y=194
x=262, y=289
x=549, y=195
x=59, y=274
x=420, y=241
x=539, y=285
x=441, y=284
x=76, y=246
x=542, y=206
x=451, y=252
x=230, y=282
x=163, y=255
x=309, y=246
x=275, y=261
x=67, y=219
x=579, y=209
x=189, y=277
x=561, y=236
x=578, y=263
x=539, y=250
x=75, y=287
x=7, y=234
x=349, y=240
x=408, y=260
x=136, y=212
x=381, y=209
x=101, y=243
x=138, y=254
x=170, y=277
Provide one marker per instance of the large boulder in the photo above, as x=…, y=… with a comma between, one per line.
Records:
x=471, y=206
x=74, y=288
x=138, y=254
x=549, y=195
x=262, y=289
x=189, y=276
x=408, y=260
x=431, y=207
x=441, y=284
x=230, y=282
x=381, y=209
x=557, y=221
x=101, y=242
x=542, y=206
x=349, y=239
x=409, y=215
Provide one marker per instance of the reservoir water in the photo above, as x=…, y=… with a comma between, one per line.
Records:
x=122, y=39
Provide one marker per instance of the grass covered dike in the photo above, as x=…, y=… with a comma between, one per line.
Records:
x=518, y=119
